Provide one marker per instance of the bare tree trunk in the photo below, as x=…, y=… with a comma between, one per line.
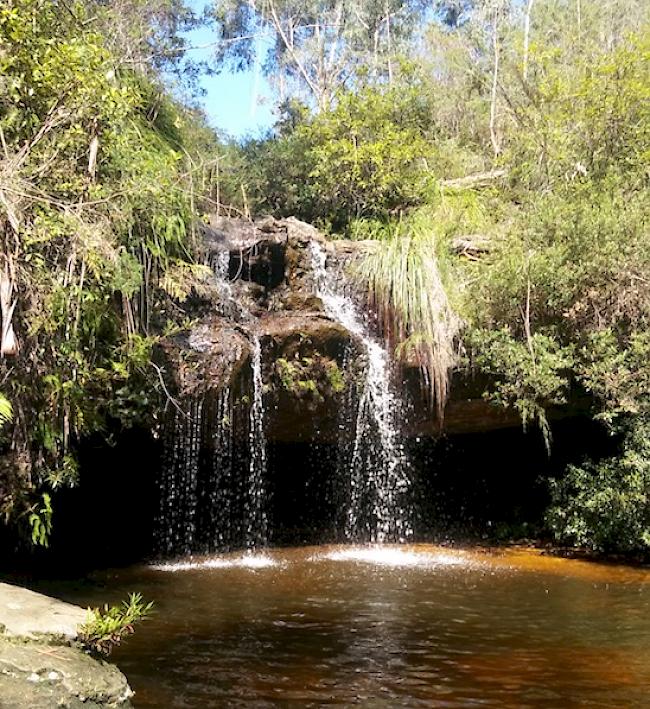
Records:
x=289, y=44
x=92, y=156
x=579, y=12
x=8, y=344
x=478, y=179
x=529, y=9
x=495, y=78
x=331, y=64
x=389, y=41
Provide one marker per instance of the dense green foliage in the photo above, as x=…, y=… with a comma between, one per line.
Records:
x=605, y=506
x=96, y=206
x=368, y=157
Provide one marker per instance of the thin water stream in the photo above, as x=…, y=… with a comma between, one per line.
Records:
x=256, y=523
x=207, y=501
x=407, y=626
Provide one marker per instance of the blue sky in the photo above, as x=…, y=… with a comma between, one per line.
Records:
x=238, y=104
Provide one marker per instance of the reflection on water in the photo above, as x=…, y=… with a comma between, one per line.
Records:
x=414, y=626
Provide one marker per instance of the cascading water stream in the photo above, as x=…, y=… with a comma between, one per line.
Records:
x=377, y=466
x=214, y=490
x=205, y=504
x=179, y=483
x=256, y=522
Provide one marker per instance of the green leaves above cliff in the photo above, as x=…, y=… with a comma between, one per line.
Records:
x=574, y=255
x=585, y=124
x=368, y=156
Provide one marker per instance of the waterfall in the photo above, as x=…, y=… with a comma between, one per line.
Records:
x=256, y=522
x=179, y=481
x=254, y=494
x=212, y=488
x=219, y=262
x=214, y=472
x=375, y=464
x=217, y=520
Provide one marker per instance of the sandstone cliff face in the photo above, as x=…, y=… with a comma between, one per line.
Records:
x=263, y=287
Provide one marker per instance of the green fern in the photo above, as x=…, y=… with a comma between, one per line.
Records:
x=6, y=410
x=107, y=627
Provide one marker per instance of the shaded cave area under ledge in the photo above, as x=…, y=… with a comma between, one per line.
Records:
x=480, y=487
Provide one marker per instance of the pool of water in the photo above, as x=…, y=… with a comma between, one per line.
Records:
x=414, y=626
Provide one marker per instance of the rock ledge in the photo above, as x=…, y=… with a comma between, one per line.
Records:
x=40, y=664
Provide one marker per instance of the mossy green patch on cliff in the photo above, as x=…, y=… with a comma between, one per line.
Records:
x=315, y=378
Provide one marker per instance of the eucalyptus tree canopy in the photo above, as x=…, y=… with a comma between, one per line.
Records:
x=454, y=13
x=314, y=47
x=146, y=35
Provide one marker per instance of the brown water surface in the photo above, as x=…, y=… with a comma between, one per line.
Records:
x=417, y=626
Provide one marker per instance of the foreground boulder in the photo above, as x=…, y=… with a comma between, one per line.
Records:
x=42, y=665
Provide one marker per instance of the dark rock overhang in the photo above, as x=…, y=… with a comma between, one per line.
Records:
x=270, y=274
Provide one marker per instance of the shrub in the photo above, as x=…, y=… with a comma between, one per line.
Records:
x=108, y=627
x=528, y=377
x=605, y=505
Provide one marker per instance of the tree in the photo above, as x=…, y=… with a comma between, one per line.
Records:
x=316, y=47
x=96, y=188
x=145, y=35
x=368, y=155
x=454, y=13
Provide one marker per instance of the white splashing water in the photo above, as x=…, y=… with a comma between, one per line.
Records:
x=394, y=557
x=219, y=262
x=246, y=561
x=204, y=504
x=256, y=521
x=220, y=484
x=378, y=467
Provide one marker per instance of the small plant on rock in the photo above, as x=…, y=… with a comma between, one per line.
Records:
x=109, y=626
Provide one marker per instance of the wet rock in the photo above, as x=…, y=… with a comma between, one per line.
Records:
x=270, y=290
x=306, y=373
x=42, y=676
x=288, y=335
x=271, y=254
x=209, y=355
